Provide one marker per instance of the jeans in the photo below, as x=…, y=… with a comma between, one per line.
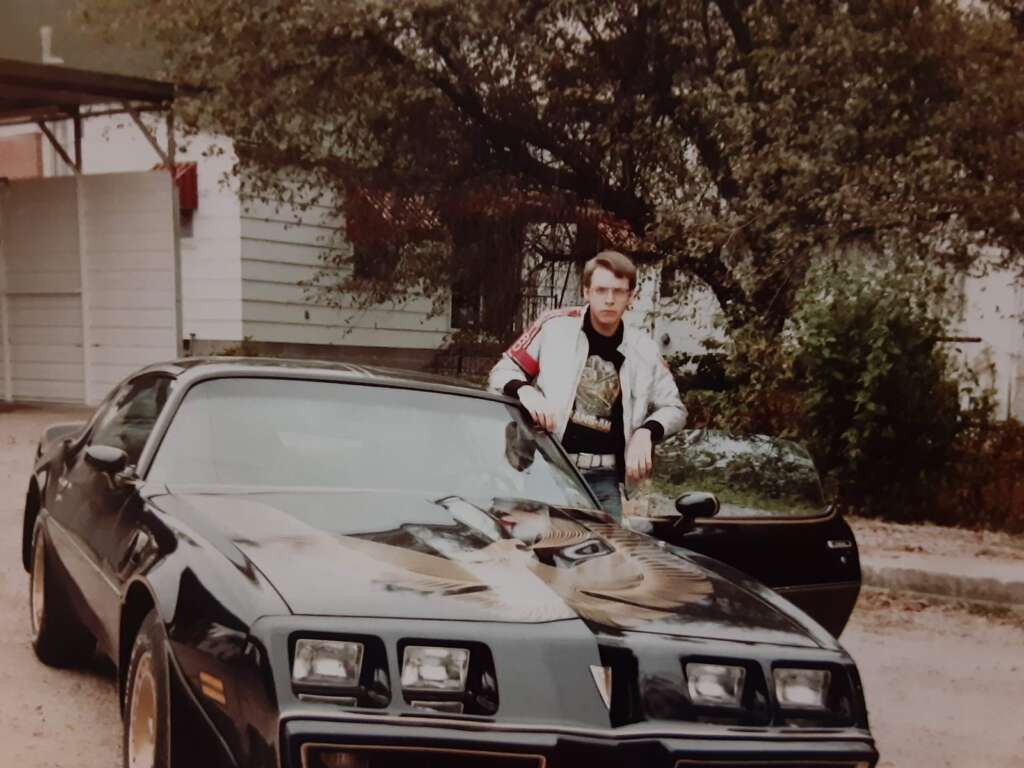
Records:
x=604, y=483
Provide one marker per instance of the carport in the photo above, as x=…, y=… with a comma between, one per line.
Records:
x=90, y=267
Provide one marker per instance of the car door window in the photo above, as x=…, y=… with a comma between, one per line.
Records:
x=754, y=476
x=130, y=419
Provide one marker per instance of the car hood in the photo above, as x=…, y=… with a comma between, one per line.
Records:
x=399, y=555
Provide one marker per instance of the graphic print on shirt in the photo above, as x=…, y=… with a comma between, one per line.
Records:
x=596, y=394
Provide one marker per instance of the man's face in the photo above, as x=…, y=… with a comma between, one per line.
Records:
x=608, y=297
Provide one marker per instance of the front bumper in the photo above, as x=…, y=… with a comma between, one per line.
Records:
x=371, y=742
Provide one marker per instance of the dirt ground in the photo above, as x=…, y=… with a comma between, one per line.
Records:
x=48, y=717
x=944, y=682
x=927, y=539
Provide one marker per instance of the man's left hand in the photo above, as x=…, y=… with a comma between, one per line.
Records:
x=638, y=455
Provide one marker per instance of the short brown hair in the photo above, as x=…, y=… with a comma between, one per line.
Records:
x=617, y=263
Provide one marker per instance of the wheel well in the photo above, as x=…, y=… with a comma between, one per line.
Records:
x=136, y=607
x=32, y=503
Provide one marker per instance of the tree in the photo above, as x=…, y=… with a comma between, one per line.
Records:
x=733, y=139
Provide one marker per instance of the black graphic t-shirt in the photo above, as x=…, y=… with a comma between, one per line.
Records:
x=595, y=424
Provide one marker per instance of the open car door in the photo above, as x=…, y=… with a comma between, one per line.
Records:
x=772, y=522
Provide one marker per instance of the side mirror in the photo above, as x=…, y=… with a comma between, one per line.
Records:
x=55, y=432
x=106, y=459
x=694, y=504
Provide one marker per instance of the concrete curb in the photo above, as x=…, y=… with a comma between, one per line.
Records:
x=1004, y=586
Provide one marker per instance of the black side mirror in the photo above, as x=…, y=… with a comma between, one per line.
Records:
x=694, y=504
x=106, y=458
x=66, y=430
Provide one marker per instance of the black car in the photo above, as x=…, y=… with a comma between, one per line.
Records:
x=320, y=566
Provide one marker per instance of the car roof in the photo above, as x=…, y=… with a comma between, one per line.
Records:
x=239, y=367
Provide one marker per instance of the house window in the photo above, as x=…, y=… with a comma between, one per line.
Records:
x=466, y=308
x=669, y=278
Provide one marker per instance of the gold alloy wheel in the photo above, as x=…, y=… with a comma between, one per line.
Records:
x=37, y=594
x=142, y=717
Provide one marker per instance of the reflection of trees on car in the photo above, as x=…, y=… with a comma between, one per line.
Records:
x=752, y=476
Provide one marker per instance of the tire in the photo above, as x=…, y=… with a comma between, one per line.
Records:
x=147, y=721
x=58, y=638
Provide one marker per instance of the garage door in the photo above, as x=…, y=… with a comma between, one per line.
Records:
x=46, y=347
x=107, y=241
x=42, y=282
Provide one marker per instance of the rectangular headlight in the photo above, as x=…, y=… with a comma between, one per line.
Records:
x=715, y=685
x=327, y=662
x=429, y=668
x=801, y=688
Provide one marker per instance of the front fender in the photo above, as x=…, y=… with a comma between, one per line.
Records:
x=207, y=595
x=767, y=595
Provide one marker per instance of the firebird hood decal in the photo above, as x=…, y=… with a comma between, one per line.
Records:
x=395, y=555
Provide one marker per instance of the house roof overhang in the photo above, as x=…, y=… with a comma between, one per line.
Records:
x=33, y=93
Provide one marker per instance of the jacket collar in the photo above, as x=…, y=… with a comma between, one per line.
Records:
x=628, y=332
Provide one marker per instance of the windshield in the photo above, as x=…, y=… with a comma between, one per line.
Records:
x=755, y=476
x=279, y=433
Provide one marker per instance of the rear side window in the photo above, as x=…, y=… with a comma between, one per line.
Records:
x=129, y=420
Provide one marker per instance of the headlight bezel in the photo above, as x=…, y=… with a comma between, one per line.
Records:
x=320, y=681
x=478, y=696
x=372, y=687
x=461, y=659
x=706, y=667
x=826, y=671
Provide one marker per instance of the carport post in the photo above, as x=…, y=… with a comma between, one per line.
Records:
x=78, y=140
x=179, y=322
x=5, y=347
x=85, y=293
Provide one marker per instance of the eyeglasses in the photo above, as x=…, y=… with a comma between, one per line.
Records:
x=616, y=293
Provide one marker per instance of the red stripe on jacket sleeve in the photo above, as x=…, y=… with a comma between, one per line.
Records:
x=524, y=360
x=519, y=351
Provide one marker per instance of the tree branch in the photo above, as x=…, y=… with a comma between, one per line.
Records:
x=511, y=143
x=733, y=15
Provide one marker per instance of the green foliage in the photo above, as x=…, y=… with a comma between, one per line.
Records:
x=733, y=139
x=863, y=376
x=984, y=486
x=880, y=393
x=244, y=348
x=760, y=394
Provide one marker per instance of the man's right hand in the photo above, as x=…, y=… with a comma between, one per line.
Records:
x=535, y=402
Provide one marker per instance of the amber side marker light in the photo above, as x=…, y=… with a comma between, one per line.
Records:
x=212, y=687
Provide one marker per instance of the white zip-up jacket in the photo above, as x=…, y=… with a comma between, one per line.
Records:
x=552, y=353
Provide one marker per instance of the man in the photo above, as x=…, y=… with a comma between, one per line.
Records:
x=599, y=386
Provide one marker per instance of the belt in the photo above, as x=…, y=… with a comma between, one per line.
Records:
x=593, y=460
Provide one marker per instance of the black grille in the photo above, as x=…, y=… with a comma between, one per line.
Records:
x=394, y=757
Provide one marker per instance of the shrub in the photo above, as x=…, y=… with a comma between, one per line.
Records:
x=984, y=487
x=880, y=393
x=863, y=378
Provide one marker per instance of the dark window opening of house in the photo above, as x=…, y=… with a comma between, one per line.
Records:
x=669, y=277
x=466, y=308
x=374, y=261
